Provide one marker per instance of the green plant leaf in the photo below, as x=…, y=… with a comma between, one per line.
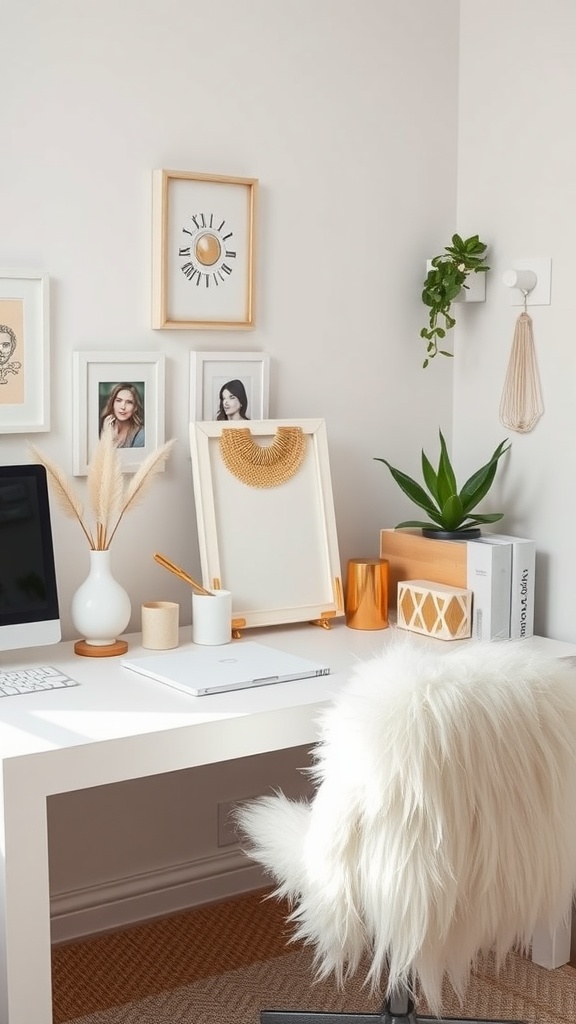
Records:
x=478, y=485
x=452, y=513
x=430, y=477
x=447, y=485
x=488, y=517
x=411, y=488
x=421, y=524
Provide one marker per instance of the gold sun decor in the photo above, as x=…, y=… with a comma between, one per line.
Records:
x=263, y=465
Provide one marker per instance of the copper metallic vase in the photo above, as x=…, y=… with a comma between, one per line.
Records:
x=366, y=605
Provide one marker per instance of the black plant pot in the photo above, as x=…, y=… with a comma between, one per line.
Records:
x=472, y=534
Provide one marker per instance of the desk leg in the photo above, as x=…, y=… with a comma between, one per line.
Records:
x=25, y=964
x=552, y=949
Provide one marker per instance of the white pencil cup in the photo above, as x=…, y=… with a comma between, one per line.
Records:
x=212, y=618
x=160, y=625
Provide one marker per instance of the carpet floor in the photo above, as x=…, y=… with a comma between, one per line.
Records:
x=222, y=964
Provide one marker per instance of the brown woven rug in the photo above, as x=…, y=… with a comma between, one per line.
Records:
x=223, y=963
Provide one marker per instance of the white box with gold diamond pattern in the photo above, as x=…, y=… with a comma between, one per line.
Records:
x=434, y=609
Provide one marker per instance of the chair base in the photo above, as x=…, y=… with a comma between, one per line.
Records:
x=384, y=1017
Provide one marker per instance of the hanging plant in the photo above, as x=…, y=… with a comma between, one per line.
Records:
x=447, y=275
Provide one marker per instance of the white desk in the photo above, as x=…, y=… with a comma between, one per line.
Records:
x=118, y=725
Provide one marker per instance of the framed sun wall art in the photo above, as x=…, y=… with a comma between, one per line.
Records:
x=266, y=521
x=24, y=352
x=203, y=250
x=125, y=389
x=229, y=385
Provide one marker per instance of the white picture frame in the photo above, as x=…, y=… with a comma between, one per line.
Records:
x=24, y=351
x=202, y=250
x=211, y=371
x=275, y=548
x=96, y=375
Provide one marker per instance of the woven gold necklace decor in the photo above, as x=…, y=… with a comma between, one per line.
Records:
x=263, y=465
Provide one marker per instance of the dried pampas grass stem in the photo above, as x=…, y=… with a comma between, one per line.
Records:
x=109, y=499
x=142, y=480
x=67, y=499
x=105, y=483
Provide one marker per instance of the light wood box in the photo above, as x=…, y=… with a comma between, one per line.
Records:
x=434, y=609
x=411, y=556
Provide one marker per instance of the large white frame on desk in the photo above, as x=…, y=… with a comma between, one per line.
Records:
x=119, y=725
x=274, y=548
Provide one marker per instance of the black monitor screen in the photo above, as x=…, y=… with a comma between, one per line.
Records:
x=27, y=574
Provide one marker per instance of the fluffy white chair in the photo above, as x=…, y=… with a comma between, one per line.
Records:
x=443, y=821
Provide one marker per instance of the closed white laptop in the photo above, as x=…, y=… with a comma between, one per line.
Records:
x=235, y=666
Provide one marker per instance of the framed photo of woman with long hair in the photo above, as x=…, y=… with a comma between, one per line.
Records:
x=229, y=385
x=125, y=389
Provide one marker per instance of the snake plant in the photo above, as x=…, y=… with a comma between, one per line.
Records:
x=448, y=507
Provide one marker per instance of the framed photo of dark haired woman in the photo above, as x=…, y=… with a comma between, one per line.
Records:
x=125, y=389
x=203, y=250
x=229, y=385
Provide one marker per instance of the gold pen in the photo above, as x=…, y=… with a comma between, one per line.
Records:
x=181, y=574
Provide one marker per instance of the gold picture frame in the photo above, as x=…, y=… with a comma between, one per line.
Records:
x=203, y=250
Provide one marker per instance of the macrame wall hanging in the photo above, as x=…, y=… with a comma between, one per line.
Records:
x=263, y=465
x=521, y=404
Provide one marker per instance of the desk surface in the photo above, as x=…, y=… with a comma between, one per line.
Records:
x=114, y=703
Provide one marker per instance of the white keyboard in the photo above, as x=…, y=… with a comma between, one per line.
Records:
x=30, y=680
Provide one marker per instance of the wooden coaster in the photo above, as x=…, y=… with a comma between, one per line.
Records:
x=105, y=651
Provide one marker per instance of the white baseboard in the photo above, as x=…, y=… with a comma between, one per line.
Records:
x=123, y=902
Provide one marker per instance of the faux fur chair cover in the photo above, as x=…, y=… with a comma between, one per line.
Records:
x=444, y=820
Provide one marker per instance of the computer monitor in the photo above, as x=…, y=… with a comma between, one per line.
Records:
x=29, y=614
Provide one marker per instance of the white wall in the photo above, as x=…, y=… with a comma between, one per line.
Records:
x=517, y=187
x=325, y=103
x=346, y=112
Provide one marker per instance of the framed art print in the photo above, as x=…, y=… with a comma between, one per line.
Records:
x=266, y=521
x=203, y=250
x=24, y=352
x=125, y=389
x=229, y=385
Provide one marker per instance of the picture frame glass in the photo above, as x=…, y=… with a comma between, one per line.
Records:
x=274, y=547
x=218, y=226
x=126, y=388
x=24, y=352
x=244, y=375
x=203, y=250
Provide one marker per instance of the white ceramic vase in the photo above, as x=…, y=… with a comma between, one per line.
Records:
x=100, y=607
